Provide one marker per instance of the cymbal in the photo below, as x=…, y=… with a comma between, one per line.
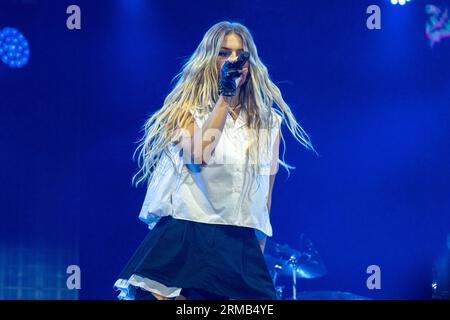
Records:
x=307, y=265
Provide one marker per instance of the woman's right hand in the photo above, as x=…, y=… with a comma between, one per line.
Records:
x=232, y=76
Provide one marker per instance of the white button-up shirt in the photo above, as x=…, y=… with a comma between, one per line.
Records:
x=225, y=191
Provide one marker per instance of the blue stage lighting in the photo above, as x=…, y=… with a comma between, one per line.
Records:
x=400, y=2
x=14, y=48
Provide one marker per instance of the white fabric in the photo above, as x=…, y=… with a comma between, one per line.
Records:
x=157, y=202
x=128, y=287
x=221, y=192
x=225, y=191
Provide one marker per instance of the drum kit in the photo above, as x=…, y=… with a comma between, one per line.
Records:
x=284, y=263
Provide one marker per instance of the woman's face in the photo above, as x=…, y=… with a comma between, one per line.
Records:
x=230, y=50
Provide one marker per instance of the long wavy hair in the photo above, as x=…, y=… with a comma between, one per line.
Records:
x=196, y=90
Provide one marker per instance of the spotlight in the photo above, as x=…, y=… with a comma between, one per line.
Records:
x=400, y=2
x=14, y=48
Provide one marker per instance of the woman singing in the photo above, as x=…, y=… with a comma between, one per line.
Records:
x=210, y=156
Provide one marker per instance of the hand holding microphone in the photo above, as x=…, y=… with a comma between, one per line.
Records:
x=231, y=71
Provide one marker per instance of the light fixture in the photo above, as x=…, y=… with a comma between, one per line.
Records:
x=400, y=2
x=14, y=48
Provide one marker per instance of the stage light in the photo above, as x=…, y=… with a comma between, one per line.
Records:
x=400, y=2
x=14, y=48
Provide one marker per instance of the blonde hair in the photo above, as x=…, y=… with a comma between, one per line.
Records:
x=196, y=90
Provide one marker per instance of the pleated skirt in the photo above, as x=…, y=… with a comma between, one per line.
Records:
x=178, y=254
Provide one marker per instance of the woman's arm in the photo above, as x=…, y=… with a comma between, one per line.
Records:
x=273, y=173
x=197, y=143
x=262, y=243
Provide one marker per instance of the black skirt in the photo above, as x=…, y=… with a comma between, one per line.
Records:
x=225, y=260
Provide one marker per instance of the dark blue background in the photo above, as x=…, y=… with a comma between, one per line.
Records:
x=375, y=103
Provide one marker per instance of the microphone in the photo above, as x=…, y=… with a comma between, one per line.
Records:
x=241, y=60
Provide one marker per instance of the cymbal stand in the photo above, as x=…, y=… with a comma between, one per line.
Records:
x=293, y=263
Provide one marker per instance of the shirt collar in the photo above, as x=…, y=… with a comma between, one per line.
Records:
x=239, y=122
